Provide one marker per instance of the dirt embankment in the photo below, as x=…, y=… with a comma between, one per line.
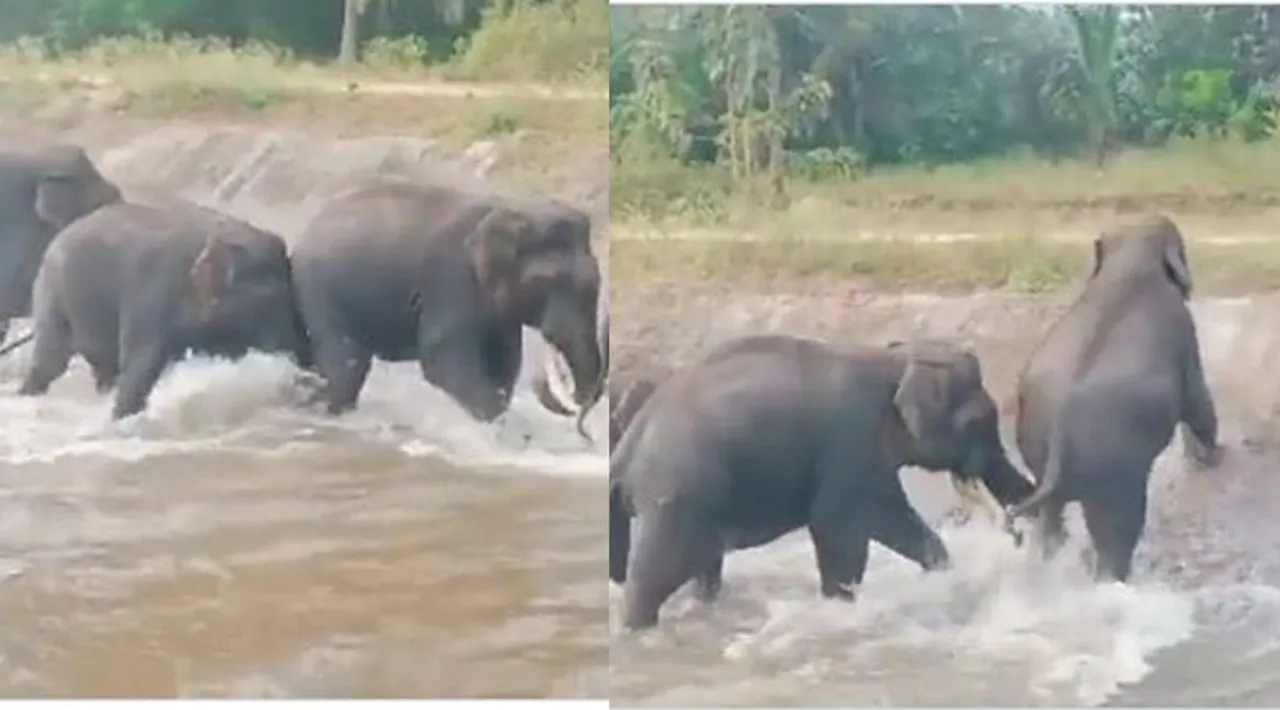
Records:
x=530, y=139
x=668, y=325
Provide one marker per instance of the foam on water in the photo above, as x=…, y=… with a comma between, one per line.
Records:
x=1072, y=641
x=254, y=404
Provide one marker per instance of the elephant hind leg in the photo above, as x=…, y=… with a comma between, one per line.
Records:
x=1052, y=528
x=51, y=354
x=674, y=543
x=1115, y=524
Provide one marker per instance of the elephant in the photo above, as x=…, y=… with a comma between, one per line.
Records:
x=549, y=385
x=131, y=288
x=42, y=190
x=415, y=271
x=768, y=433
x=1102, y=393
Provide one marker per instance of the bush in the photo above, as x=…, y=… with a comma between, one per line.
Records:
x=558, y=41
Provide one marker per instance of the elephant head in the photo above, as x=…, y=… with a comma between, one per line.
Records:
x=41, y=192
x=947, y=421
x=535, y=267
x=1153, y=243
x=241, y=297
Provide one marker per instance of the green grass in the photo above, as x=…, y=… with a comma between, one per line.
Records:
x=1025, y=222
x=1019, y=264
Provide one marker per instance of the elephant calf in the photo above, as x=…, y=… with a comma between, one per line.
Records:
x=770, y=433
x=403, y=271
x=131, y=288
x=1102, y=393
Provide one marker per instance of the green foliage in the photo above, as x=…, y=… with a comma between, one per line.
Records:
x=556, y=39
x=486, y=39
x=829, y=92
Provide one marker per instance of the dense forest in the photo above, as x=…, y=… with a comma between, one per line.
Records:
x=823, y=91
x=557, y=38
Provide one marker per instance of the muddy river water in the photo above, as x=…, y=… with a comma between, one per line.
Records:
x=229, y=542
x=1199, y=625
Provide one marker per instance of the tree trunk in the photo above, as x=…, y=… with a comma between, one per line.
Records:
x=349, y=52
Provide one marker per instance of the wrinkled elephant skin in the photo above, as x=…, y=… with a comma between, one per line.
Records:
x=131, y=288
x=1101, y=395
x=767, y=434
x=404, y=271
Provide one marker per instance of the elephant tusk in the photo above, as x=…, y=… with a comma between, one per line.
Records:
x=974, y=493
x=558, y=381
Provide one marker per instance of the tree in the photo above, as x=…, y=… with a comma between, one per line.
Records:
x=349, y=52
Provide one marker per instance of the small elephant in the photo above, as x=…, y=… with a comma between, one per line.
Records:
x=131, y=288
x=770, y=433
x=1102, y=393
x=405, y=271
x=42, y=190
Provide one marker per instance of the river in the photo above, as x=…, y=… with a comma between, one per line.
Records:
x=229, y=542
x=1199, y=625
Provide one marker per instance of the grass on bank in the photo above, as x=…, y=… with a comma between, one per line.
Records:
x=184, y=76
x=654, y=190
x=561, y=44
x=1020, y=264
x=1026, y=223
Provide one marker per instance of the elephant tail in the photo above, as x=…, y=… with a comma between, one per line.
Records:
x=17, y=342
x=619, y=532
x=1048, y=486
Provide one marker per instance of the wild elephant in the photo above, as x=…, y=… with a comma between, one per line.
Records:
x=42, y=190
x=770, y=433
x=131, y=288
x=404, y=271
x=1102, y=393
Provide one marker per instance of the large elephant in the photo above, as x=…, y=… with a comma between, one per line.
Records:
x=1102, y=393
x=770, y=433
x=405, y=271
x=42, y=190
x=131, y=288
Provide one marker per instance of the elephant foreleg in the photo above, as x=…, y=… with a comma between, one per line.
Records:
x=106, y=370
x=51, y=354
x=345, y=367
x=144, y=363
x=841, y=542
x=896, y=525
x=710, y=579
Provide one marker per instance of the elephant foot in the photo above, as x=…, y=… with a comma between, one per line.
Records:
x=840, y=592
x=1200, y=455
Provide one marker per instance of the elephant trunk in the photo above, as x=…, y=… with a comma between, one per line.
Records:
x=577, y=350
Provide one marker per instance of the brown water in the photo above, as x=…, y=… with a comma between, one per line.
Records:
x=230, y=543
x=1199, y=625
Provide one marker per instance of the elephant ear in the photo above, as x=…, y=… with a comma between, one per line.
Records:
x=494, y=246
x=64, y=193
x=210, y=274
x=1175, y=260
x=931, y=386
